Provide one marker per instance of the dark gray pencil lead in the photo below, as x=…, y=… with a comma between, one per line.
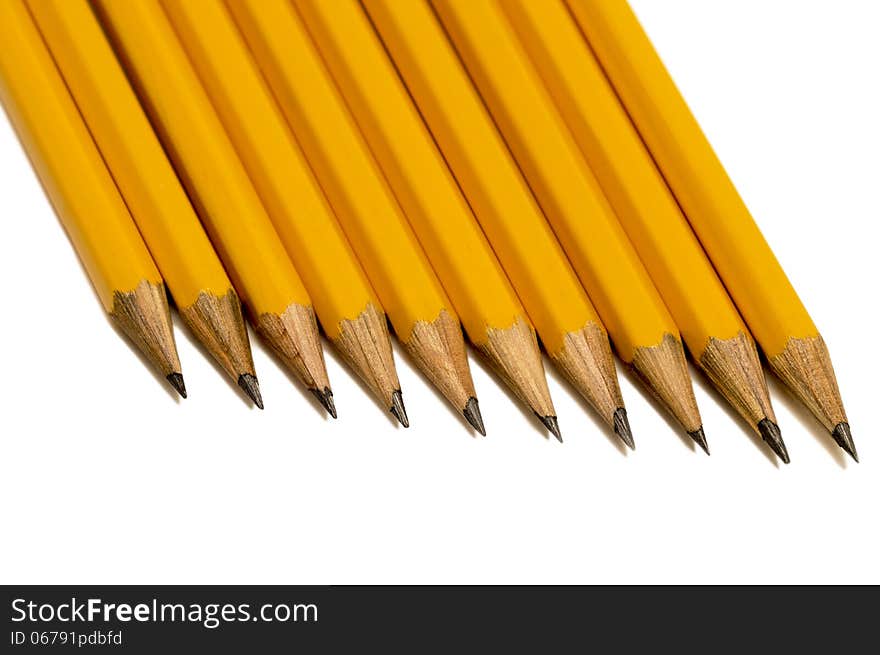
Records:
x=552, y=424
x=398, y=409
x=700, y=437
x=471, y=412
x=622, y=429
x=325, y=397
x=251, y=387
x=843, y=437
x=773, y=436
x=176, y=381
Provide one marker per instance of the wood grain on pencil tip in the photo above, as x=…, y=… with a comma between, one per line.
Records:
x=598, y=373
x=293, y=335
x=143, y=316
x=438, y=348
x=805, y=367
x=734, y=368
x=664, y=370
x=365, y=344
x=218, y=324
x=514, y=355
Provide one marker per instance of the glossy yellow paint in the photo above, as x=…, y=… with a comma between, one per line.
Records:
x=67, y=160
x=293, y=199
x=365, y=206
x=415, y=169
x=741, y=255
x=572, y=200
x=478, y=157
x=142, y=172
x=611, y=145
x=206, y=160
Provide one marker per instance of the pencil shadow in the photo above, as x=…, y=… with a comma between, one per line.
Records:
x=400, y=351
x=703, y=381
x=780, y=392
x=221, y=372
x=597, y=422
x=331, y=353
x=517, y=404
x=637, y=383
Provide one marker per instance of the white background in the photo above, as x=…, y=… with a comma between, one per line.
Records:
x=105, y=478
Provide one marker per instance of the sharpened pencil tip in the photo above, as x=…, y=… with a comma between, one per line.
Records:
x=552, y=424
x=176, y=381
x=251, y=387
x=325, y=397
x=471, y=412
x=773, y=436
x=622, y=429
x=398, y=409
x=700, y=437
x=842, y=436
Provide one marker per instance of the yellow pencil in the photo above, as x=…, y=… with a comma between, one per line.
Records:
x=566, y=321
x=170, y=228
x=710, y=324
x=639, y=323
x=744, y=261
x=82, y=191
x=421, y=314
x=352, y=318
x=220, y=188
x=439, y=214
